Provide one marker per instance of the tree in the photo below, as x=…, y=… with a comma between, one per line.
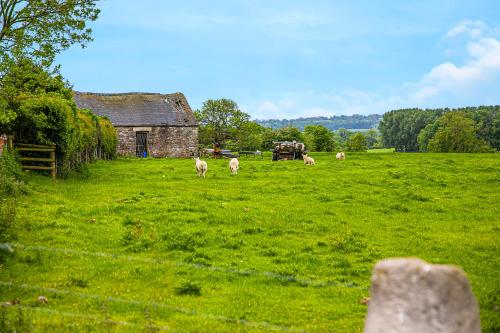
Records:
x=7, y=115
x=288, y=134
x=220, y=120
x=318, y=138
x=458, y=134
x=372, y=138
x=250, y=136
x=342, y=136
x=268, y=137
x=39, y=29
x=488, y=121
x=357, y=142
x=25, y=79
x=400, y=128
x=425, y=135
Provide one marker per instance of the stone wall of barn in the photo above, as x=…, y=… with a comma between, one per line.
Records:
x=162, y=141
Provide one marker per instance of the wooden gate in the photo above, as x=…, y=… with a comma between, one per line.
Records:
x=30, y=162
x=141, y=144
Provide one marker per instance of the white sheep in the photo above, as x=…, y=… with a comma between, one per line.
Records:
x=308, y=160
x=340, y=156
x=233, y=165
x=201, y=167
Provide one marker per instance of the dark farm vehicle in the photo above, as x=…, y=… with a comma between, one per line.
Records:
x=217, y=152
x=286, y=150
x=228, y=153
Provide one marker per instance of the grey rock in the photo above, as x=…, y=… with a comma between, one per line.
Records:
x=410, y=296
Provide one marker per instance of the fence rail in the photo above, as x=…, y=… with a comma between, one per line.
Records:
x=23, y=148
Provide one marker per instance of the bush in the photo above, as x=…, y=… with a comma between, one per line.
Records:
x=107, y=139
x=88, y=140
x=44, y=120
x=10, y=187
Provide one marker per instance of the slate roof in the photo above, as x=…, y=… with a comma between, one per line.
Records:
x=139, y=109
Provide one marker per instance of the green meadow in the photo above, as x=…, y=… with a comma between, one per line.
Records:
x=143, y=245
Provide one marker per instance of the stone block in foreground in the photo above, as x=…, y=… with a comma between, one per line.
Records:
x=412, y=296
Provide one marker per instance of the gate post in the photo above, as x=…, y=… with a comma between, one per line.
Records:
x=53, y=172
x=10, y=142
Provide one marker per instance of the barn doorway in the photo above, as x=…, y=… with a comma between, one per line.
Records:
x=141, y=144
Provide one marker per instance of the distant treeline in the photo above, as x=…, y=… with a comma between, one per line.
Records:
x=222, y=122
x=357, y=122
x=470, y=129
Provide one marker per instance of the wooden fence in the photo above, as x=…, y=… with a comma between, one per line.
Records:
x=33, y=163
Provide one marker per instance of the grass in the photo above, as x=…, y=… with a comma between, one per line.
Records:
x=145, y=245
x=381, y=150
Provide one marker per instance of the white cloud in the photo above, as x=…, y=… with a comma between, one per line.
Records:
x=476, y=81
x=312, y=104
x=268, y=109
x=474, y=29
x=482, y=68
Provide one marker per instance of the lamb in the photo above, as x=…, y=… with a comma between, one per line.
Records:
x=308, y=160
x=340, y=156
x=201, y=167
x=233, y=166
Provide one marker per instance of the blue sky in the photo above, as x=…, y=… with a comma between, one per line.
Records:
x=286, y=59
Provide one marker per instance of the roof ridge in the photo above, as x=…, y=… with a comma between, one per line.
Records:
x=124, y=94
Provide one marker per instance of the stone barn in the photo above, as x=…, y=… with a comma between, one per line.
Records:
x=147, y=124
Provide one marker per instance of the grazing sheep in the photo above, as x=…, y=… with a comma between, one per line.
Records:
x=308, y=160
x=201, y=167
x=340, y=156
x=42, y=299
x=233, y=166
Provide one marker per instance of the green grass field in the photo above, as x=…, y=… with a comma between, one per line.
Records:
x=145, y=245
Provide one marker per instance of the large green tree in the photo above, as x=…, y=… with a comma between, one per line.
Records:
x=456, y=133
x=220, y=120
x=318, y=138
x=250, y=136
x=39, y=29
x=289, y=133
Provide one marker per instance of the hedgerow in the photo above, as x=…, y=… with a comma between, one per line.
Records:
x=10, y=187
x=39, y=109
x=107, y=140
